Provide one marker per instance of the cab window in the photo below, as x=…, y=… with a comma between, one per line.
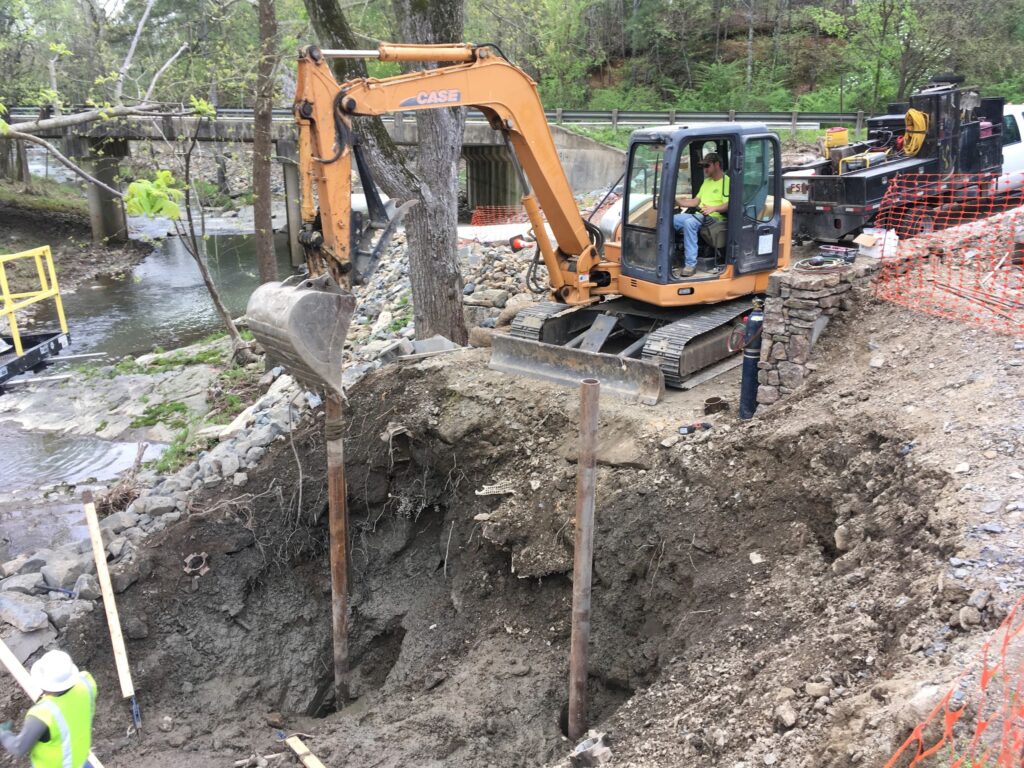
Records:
x=645, y=176
x=1011, y=131
x=758, y=172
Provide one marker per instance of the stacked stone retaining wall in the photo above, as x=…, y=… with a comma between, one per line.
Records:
x=798, y=306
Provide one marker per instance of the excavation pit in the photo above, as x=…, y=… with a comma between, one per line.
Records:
x=737, y=558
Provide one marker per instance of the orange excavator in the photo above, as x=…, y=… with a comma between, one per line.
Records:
x=617, y=309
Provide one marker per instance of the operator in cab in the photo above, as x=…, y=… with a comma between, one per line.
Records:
x=711, y=202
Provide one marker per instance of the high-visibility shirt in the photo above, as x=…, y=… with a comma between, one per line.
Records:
x=69, y=719
x=714, y=193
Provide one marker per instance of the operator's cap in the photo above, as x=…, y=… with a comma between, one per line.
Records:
x=711, y=157
x=55, y=672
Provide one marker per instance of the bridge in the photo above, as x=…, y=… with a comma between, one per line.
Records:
x=491, y=179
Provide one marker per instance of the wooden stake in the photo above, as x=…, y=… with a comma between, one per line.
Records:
x=338, y=525
x=583, y=557
x=99, y=554
x=24, y=679
x=302, y=752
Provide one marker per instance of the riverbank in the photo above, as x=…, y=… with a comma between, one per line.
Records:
x=34, y=221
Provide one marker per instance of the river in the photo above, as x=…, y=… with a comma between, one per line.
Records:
x=163, y=302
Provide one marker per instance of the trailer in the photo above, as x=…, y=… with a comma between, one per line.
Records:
x=945, y=130
x=21, y=353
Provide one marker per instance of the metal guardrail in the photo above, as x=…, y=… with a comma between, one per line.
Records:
x=612, y=117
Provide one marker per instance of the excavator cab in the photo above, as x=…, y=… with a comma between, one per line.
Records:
x=665, y=163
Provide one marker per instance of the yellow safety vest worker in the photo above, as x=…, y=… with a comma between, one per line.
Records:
x=69, y=718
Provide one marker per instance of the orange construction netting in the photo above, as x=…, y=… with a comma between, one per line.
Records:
x=979, y=722
x=960, y=251
x=485, y=215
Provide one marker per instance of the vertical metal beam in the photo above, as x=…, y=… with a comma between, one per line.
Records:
x=288, y=154
x=583, y=557
x=338, y=525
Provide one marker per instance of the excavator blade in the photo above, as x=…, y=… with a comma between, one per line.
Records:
x=302, y=324
x=632, y=379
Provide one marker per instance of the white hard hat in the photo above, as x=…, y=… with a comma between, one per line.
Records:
x=55, y=672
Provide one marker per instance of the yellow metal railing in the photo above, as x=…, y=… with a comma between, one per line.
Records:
x=12, y=302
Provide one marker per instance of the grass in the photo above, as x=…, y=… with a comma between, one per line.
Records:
x=232, y=392
x=45, y=195
x=173, y=413
x=177, y=454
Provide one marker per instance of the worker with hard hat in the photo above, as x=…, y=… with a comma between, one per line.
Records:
x=58, y=727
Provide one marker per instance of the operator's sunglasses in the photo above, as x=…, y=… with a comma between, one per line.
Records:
x=705, y=165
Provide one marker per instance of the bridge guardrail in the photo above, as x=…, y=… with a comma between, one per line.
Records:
x=584, y=117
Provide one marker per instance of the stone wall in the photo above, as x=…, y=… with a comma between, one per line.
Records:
x=798, y=306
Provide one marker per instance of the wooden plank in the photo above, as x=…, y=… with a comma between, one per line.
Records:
x=302, y=752
x=99, y=554
x=24, y=679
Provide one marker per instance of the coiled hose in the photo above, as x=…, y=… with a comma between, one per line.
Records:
x=917, y=131
x=534, y=283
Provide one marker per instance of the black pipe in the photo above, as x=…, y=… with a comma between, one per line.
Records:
x=751, y=357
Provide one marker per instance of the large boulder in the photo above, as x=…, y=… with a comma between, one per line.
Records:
x=24, y=644
x=26, y=583
x=63, y=570
x=23, y=612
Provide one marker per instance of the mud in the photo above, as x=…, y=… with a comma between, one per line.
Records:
x=732, y=570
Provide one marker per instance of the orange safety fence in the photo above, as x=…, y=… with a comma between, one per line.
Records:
x=485, y=215
x=959, y=248
x=979, y=722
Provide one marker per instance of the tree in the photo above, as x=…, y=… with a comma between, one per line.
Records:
x=431, y=226
x=263, y=146
x=160, y=198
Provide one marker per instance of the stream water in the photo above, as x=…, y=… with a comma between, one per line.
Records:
x=163, y=302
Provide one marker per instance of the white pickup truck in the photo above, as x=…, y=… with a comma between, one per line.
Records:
x=1013, y=147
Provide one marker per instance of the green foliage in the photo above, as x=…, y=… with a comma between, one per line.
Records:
x=172, y=413
x=155, y=197
x=176, y=455
x=202, y=108
x=209, y=194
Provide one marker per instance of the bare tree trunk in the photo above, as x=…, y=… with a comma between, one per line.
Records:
x=431, y=226
x=750, y=43
x=24, y=175
x=263, y=146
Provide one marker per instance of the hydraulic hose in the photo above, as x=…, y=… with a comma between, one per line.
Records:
x=917, y=131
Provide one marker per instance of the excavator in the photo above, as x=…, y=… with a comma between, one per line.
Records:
x=617, y=309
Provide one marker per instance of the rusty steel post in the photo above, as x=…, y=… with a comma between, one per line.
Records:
x=338, y=526
x=583, y=557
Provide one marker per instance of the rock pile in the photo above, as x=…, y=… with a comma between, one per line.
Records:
x=492, y=275
x=799, y=304
x=40, y=592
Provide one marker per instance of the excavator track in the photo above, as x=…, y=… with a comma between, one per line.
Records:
x=667, y=348
x=529, y=322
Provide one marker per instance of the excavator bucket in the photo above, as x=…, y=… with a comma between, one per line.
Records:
x=632, y=379
x=302, y=324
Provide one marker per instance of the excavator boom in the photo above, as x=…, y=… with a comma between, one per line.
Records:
x=598, y=301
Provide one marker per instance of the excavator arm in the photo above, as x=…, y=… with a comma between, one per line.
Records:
x=474, y=76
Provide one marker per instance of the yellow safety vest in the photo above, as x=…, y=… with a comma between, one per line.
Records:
x=69, y=718
x=714, y=193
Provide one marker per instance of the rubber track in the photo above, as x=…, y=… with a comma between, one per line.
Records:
x=532, y=331
x=666, y=345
